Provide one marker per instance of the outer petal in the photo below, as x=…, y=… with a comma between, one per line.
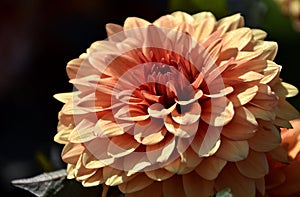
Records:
x=195, y=186
x=168, y=187
x=210, y=167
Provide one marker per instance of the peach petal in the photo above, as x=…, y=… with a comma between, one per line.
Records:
x=238, y=38
x=83, y=132
x=83, y=173
x=182, y=17
x=134, y=22
x=283, y=89
x=217, y=111
x=159, y=174
x=187, y=155
x=162, y=151
x=258, y=34
x=239, y=185
x=94, y=180
x=269, y=49
x=265, y=98
x=210, y=167
x=168, y=187
x=223, y=92
x=199, y=17
x=255, y=166
x=114, y=32
x=233, y=150
x=265, y=133
x=261, y=113
x=71, y=152
x=230, y=23
x=271, y=71
x=286, y=111
x=204, y=23
x=197, y=95
x=64, y=97
x=157, y=110
x=63, y=134
x=167, y=21
x=242, y=95
x=114, y=176
x=242, y=126
x=131, y=113
x=178, y=167
x=195, y=186
x=135, y=163
x=150, y=131
x=184, y=131
x=121, y=145
x=139, y=182
x=207, y=140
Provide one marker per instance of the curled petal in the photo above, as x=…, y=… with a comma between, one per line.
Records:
x=283, y=89
x=159, y=174
x=157, y=110
x=121, y=145
x=137, y=183
x=184, y=131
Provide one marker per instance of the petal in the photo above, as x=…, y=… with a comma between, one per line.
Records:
x=207, y=140
x=269, y=49
x=283, y=89
x=233, y=150
x=275, y=178
x=114, y=176
x=95, y=180
x=121, y=145
x=157, y=110
x=242, y=126
x=173, y=187
x=230, y=23
x=132, y=113
x=239, y=185
x=134, y=23
x=139, y=182
x=178, y=167
x=261, y=113
x=255, y=166
x=238, y=38
x=270, y=72
x=217, y=111
x=114, y=32
x=64, y=97
x=159, y=174
x=71, y=152
x=266, y=138
x=204, y=23
x=150, y=131
x=195, y=186
x=188, y=117
x=184, y=131
x=258, y=34
x=242, y=94
x=162, y=151
x=210, y=167
x=260, y=186
x=134, y=163
x=286, y=111
x=279, y=154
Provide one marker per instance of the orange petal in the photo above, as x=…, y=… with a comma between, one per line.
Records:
x=134, y=22
x=265, y=98
x=255, y=166
x=269, y=49
x=270, y=72
x=121, y=145
x=157, y=110
x=134, y=163
x=139, y=182
x=184, y=131
x=162, y=151
x=239, y=185
x=266, y=138
x=275, y=178
x=260, y=186
x=210, y=167
x=178, y=167
x=217, y=111
x=195, y=186
x=238, y=38
x=230, y=23
x=113, y=176
x=233, y=150
x=173, y=187
x=279, y=154
x=188, y=117
x=242, y=126
x=71, y=152
x=150, y=131
x=114, y=32
x=159, y=174
x=261, y=113
x=286, y=111
x=283, y=89
x=207, y=140
x=242, y=94
x=132, y=113
x=204, y=23
x=95, y=180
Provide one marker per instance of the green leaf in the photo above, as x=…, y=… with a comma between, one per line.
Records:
x=224, y=193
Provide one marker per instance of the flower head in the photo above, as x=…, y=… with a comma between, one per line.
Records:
x=186, y=100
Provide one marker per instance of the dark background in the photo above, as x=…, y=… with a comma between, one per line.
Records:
x=37, y=39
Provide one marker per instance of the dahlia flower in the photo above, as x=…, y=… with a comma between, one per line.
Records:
x=291, y=8
x=284, y=179
x=184, y=106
